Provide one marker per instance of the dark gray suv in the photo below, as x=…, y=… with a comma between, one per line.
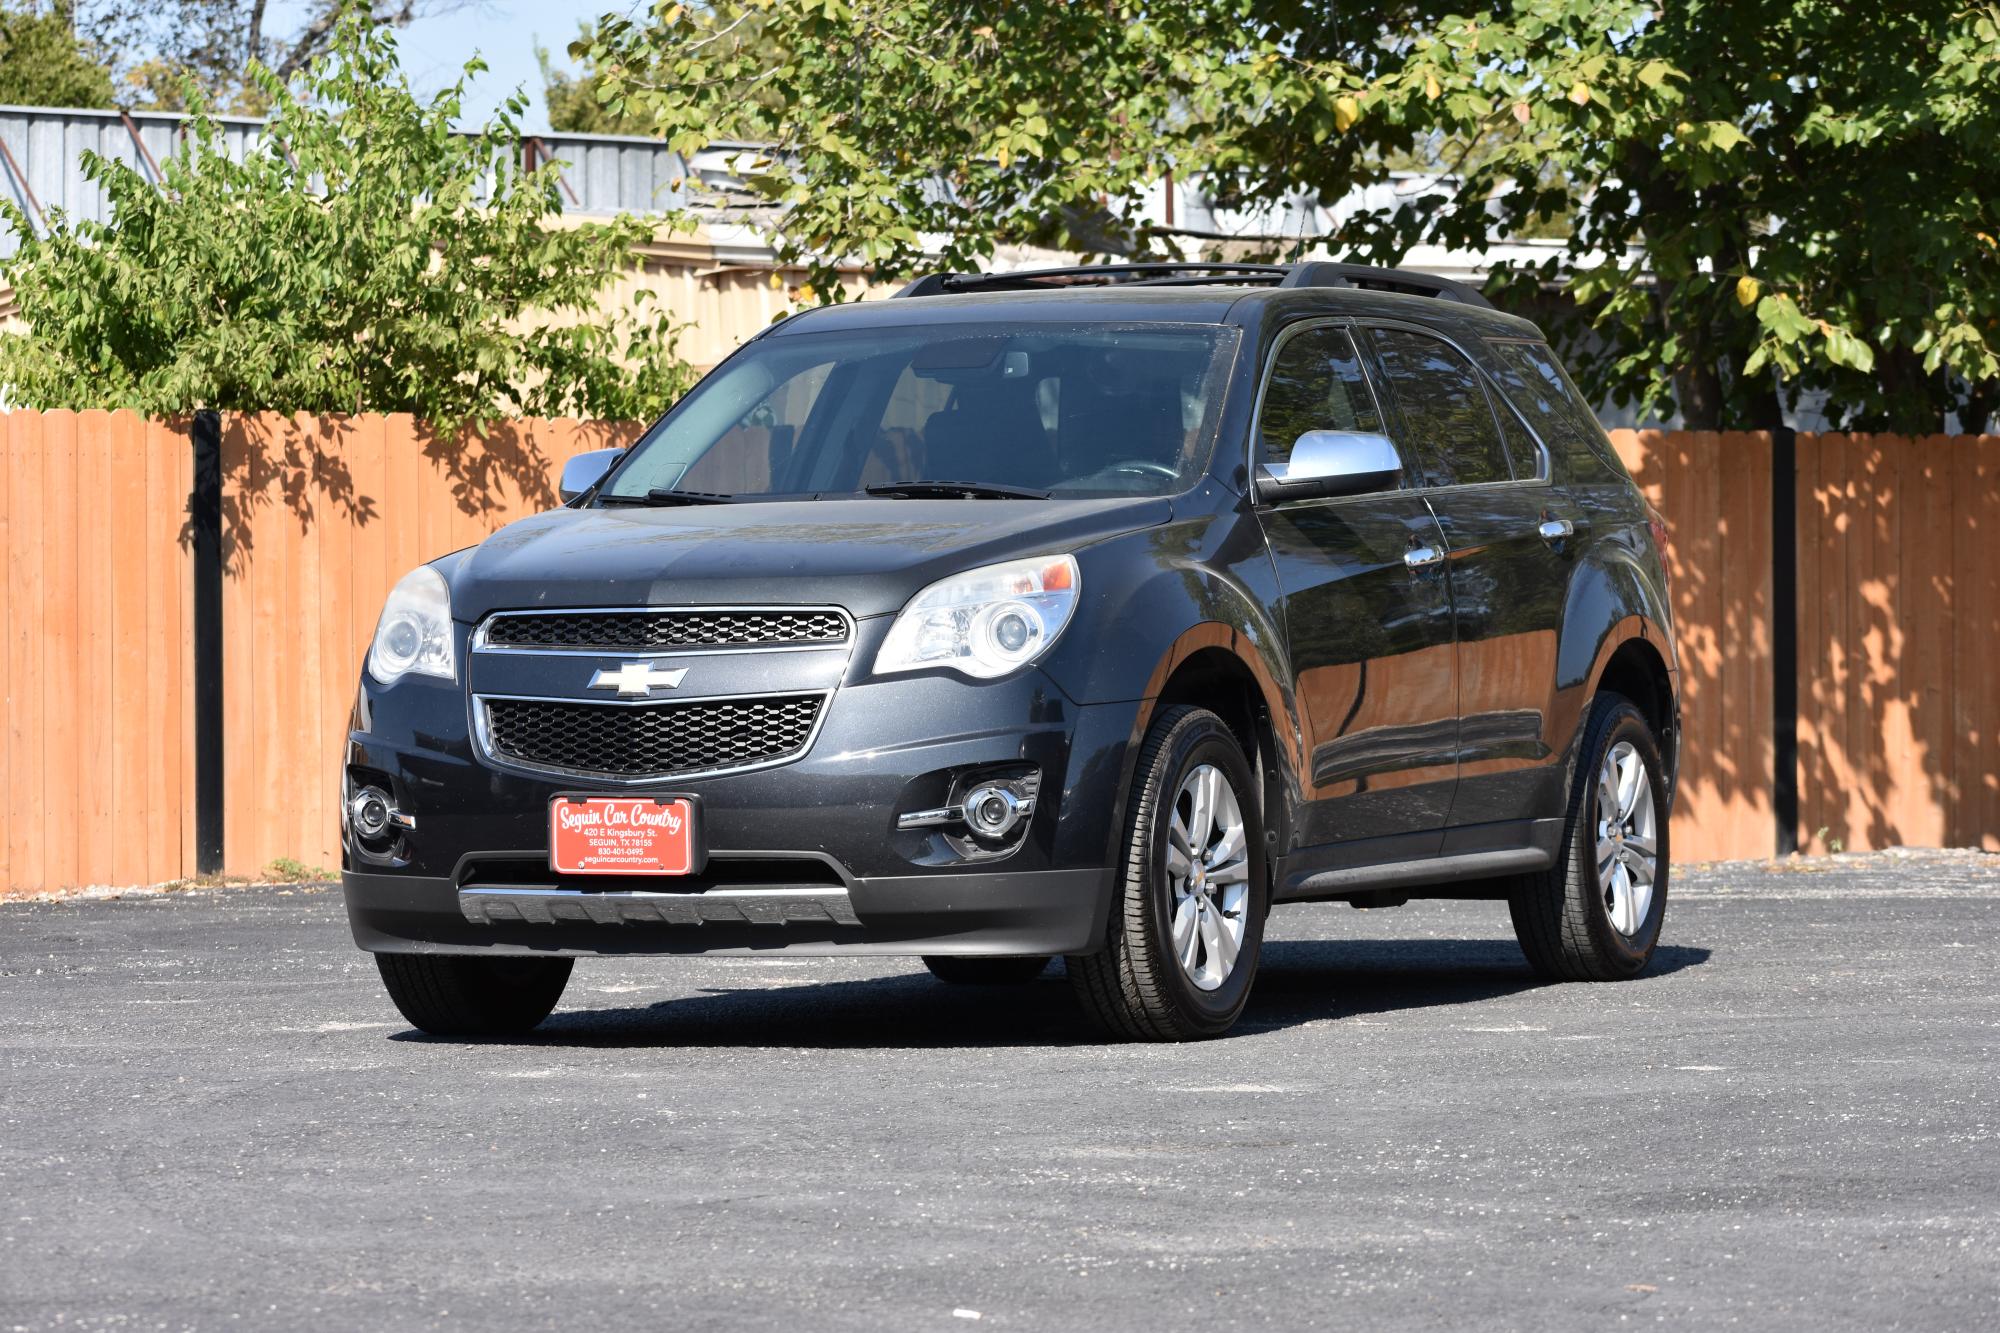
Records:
x=1088, y=612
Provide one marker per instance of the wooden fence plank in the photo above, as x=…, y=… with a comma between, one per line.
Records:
x=1823, y=578
x=11, y=424
x=27, y=834
x=1929, y=526
x=1978, y=566
x=243, y=553
x=160, y=561
x=312, y=530
x=135, y=689
x=1818, y=718
x=62, y=773
x=88, y=672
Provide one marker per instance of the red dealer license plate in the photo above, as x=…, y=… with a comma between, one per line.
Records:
x=624, y=835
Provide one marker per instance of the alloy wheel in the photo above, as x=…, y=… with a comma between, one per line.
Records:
x=1208, y=872
x=1627, y=838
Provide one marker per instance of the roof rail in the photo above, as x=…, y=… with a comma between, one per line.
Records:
x=1408, y=282
x=1315, y=273
x=1091, y=275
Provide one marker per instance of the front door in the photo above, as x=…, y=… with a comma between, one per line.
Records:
x=1368, y=623
x=1488, y=483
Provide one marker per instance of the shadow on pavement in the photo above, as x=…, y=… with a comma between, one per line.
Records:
x=1300, y=982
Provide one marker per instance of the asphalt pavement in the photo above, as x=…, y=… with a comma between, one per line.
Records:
x=211, y=1116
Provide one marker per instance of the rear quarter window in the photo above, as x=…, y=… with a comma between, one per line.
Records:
x=1536, y=384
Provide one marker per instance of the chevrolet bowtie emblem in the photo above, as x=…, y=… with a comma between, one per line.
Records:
x=638, y=679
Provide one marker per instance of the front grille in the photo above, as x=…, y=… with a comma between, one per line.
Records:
x=667, y=631
x=650, y=740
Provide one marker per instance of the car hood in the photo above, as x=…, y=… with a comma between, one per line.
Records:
x=869, y=555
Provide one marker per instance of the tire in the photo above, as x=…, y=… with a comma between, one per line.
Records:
x=957, y=970
x=1137, y=988
x=1572, y=924
x=454, y=995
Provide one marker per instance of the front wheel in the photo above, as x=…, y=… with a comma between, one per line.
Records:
x=1595, y=915
x=455, y=995
x=1187, y=918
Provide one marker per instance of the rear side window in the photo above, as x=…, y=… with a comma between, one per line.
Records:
x=1522, y=451
x=1316, y=384
x=1533, y=380
x=1447, y=421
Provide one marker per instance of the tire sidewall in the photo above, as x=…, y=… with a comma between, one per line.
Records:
x=1202, y=738
x=1628, y=954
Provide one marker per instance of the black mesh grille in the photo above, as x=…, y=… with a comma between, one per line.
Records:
x=650, y=740
x=638, y=631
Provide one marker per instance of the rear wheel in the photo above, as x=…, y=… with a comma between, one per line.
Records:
x=1596, y=914
x=961, y=971
x=1187, y=918
x=455, y=995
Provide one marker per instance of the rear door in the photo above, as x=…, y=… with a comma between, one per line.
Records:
x=1369, y=634
x=1486, y=478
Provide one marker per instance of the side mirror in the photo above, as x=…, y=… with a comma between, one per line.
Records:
x=585, y=471
x=1332, y=462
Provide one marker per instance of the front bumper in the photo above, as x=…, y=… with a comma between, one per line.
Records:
x=473, y=877
x=1019, y=912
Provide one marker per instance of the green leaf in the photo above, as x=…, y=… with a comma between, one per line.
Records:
x=1844, y=349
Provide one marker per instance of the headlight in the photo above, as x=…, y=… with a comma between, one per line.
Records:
x=414, y=633
x=984, y=622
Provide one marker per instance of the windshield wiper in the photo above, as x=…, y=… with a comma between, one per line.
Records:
x=661, y=496
x=954, y=490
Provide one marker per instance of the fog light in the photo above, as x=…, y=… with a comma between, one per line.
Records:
x=370, y=813
x=992, y=812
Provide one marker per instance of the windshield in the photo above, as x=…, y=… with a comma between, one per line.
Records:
x=1068, y=410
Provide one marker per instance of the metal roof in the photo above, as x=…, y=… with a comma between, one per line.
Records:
x=41, y=161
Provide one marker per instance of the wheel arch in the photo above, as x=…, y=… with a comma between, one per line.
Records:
x=1216, y=677
x=1618, y=635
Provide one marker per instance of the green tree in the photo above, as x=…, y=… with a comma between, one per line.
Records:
x=891, y=124
x=362, y=257
x=1794, y=186
x=1757, y=199
x=170, y=44
x=42, y=63
x=573, y=101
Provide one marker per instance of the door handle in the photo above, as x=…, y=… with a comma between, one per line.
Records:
x=1419, y=556
x=1555, y=529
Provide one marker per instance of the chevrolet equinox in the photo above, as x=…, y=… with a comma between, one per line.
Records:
x=1086, y=612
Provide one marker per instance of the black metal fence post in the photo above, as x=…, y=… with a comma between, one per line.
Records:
x=1785, y=638
x=205, y=505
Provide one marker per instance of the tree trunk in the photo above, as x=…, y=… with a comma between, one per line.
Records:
x=1976, y=412
x=1698, y=394
x=1910, y=401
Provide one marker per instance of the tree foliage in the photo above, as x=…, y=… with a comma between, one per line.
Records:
x=362, y=256
x=896, y=128
x=1757, y=199
x=170, y=45
x=572, y=100
x=42, y=63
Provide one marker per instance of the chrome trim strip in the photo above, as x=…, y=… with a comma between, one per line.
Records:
x=762, y=907
x=480, y=643
x=482, y=742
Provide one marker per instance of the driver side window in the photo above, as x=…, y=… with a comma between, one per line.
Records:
x=1316, y=384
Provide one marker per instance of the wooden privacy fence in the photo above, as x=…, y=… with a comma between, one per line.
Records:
x=1895, y=613
x=1893, y=603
